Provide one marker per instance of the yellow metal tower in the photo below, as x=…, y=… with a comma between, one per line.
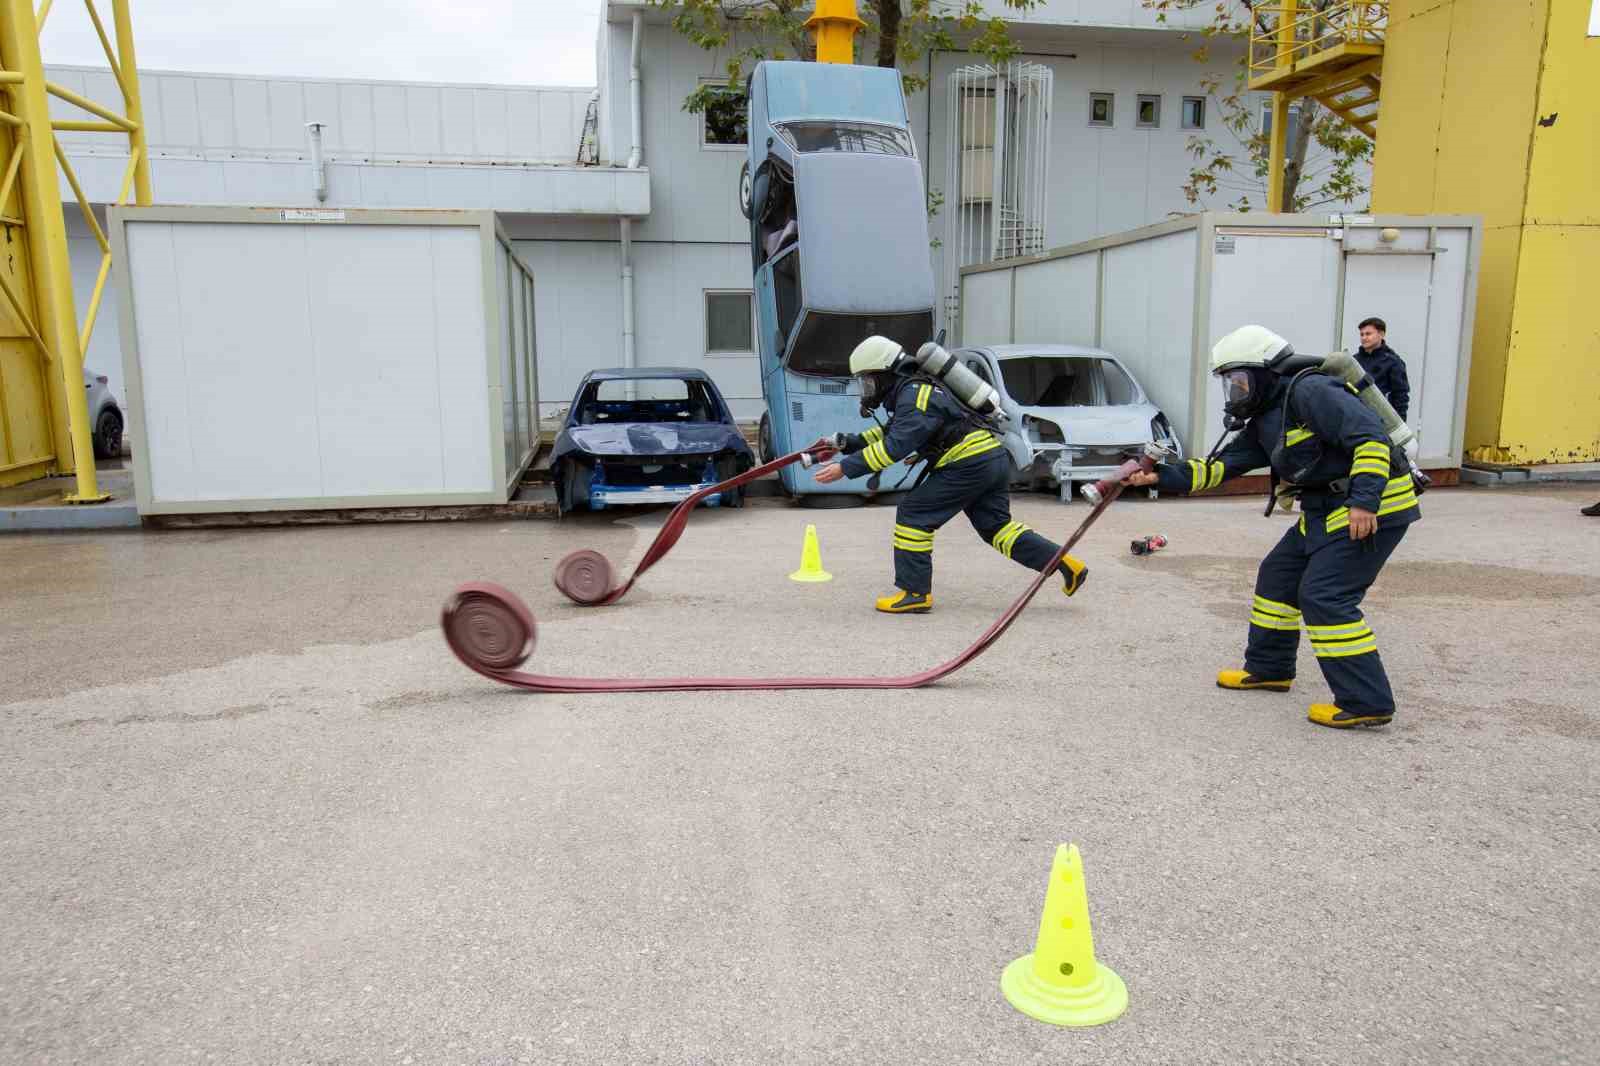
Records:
x=1331, y=52
x=834, y=23
x=1499, y=120
x=44, y=418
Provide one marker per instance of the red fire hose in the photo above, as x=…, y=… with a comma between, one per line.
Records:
x=585, y=576
x=493, y=632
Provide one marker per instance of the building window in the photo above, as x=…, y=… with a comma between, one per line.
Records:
x=1266, y=121
x=724, y=119
x=1149, y=115
x=1194, y=112
x=730, y=323
x=1102, y=108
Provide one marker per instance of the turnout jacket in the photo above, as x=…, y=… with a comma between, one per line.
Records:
x=1333, y=449
x=924, y=420
x=1387, y=371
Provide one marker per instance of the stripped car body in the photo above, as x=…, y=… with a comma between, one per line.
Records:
x=647, y=435
x=1073, y=413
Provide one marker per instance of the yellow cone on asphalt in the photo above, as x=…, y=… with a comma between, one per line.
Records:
x=811, y=560
x=1061, y=982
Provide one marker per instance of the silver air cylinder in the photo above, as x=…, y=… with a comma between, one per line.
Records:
x=963, y=384
x=1344, y=367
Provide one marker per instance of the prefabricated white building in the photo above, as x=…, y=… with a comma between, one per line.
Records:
x=1159, y=296
x=386, y=358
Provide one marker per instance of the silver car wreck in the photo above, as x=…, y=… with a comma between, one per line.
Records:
x=1074, y=414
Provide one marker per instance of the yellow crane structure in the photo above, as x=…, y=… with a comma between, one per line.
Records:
x=1490, y=111
x=44, y=418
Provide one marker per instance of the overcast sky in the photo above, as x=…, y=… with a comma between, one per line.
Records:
x=518, y=42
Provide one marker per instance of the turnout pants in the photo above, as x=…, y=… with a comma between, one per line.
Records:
x=979, y=486
x=1320, y=579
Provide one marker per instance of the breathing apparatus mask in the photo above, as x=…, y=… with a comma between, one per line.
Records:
x=1245, y=391
x=875, y=389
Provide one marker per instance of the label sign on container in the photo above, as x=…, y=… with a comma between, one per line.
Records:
x=298, y=214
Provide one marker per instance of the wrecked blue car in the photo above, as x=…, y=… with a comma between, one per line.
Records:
x=647, y=435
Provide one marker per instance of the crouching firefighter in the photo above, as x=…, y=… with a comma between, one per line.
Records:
x=1357, y=497
x=968, y=469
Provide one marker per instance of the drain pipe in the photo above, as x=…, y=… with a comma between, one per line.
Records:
x=636, y=156
x=319, y=166
x=629, y=359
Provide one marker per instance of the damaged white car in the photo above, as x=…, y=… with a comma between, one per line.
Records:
x=1074, y=413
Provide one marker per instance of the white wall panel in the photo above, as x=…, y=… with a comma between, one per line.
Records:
x=391, y=133
x=425, y=120
x=329, y=365
x=1055, y=302
x=355, y=118
x=252, y=120
x=490, y=117
x=986, y=308
x=288, y=104
x=457, y=116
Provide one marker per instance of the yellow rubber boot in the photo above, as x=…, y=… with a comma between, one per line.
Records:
x=1073, y=574
x=1332, y=717
x=1243, y=681
x=902, y=602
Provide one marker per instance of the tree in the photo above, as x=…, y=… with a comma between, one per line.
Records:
x=898, y=34
x=1332, y=175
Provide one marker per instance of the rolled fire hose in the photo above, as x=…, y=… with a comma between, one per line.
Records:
x=585, y=576
x=493, y=632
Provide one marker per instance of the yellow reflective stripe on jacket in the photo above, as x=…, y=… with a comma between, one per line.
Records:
x=1270, y=614
x=872, y=435
x=1338, y=641
x=975, y=443
x=1399, y=494
x=1371, y=457
x=912, y=539
x=923, y=392
x=1006, y=539
x=876, y=456
x=1295, y=436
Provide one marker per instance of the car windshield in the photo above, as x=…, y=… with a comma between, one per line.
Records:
x=845, y=137
x=647, y=400
x=825, y=340
x=1066, y=381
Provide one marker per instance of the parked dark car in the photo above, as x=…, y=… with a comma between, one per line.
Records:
x=647, y=435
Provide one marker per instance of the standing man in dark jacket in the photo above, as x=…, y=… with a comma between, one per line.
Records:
x=971, y=473
x=1386, y=369
x=1357, y=501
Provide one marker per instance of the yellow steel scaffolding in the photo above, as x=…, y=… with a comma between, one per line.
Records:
x=44, y=418
x=1329, y=50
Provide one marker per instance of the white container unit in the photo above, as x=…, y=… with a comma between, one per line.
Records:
x=288, y=359
x=1158, y=297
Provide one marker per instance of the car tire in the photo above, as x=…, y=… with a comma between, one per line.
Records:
x=764, y=440
x=567, y=474
x=729, y=467
x=108, y=435
x=745, y=189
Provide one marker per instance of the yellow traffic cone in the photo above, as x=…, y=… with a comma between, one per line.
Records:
x=811, y=560
x=1061, y=982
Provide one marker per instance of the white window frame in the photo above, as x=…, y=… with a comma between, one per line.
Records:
x=1183, y=117
x=1266, y=117
x=1138, y=105
x=705, y=323
x=1111, y=110
x=722, y=85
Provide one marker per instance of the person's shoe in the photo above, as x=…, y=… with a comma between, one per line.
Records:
x=1073, y=574
x=906, y=603
x=1243, y=680
x=1332, y=717
x=1592, y=512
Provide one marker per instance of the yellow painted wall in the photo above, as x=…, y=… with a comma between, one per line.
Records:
x=27, y=448
x=1552, y=396
x=1465, y=83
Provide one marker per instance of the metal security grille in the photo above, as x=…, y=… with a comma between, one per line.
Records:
x=999, y=167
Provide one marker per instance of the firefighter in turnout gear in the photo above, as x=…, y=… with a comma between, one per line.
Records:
x=1357, y=498
x=968, y=471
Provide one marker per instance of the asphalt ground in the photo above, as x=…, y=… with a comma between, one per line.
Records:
x=252, y=811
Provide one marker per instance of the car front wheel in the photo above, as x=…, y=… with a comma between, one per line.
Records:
x=108, y=435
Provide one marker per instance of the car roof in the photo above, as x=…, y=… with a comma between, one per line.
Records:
x=1023, y=351
x=634, y=373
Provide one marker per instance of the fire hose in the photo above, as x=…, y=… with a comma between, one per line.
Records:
x=493, y=632
x=585, y=576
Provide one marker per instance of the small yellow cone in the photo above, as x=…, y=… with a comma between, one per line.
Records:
x=811, y=560
x=1061, y=983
